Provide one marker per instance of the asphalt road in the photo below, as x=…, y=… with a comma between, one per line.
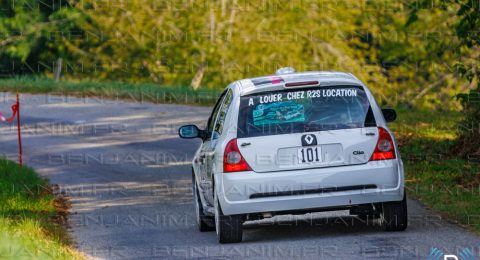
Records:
x=128, y=176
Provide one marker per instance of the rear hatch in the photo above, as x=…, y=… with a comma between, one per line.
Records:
x=306, y=128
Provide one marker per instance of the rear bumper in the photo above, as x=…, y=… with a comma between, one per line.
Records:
x=251, y=192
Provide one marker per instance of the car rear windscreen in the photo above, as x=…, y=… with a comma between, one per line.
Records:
x=304, y=110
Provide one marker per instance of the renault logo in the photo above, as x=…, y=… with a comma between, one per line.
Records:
x=309, y=139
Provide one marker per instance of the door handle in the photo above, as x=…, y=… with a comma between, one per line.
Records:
x=245, y=144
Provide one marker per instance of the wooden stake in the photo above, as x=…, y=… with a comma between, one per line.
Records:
x=20, y=152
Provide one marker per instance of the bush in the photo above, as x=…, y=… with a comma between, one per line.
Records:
x=468, y=144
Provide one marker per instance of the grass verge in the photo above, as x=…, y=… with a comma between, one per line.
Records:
x=443, y=181
x=145, y=92
x=30, y=225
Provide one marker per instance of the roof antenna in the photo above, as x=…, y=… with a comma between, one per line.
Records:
x=285, y=70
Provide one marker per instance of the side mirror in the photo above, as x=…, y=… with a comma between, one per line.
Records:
x=389, y=114
x=190, y=131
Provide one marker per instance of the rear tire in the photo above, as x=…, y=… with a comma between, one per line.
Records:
x=229, y=228
x=394, y=215
x=204, y=223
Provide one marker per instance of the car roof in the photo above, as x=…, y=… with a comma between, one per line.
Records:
x=278, y=81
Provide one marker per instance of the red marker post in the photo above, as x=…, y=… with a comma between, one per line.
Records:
x=16, y=112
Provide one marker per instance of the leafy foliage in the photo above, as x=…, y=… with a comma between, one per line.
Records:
x=469, y=128
x=28, y=30
x=467, y=30
x=466, y=24
x=406, y=56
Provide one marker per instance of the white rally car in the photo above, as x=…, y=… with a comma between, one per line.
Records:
x=294, y=143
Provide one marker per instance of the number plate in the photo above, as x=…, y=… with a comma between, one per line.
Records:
x=311, y=154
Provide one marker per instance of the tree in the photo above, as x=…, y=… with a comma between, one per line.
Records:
x=467, y=22
x=29, y=30
x=467, y=30
x=405, y=54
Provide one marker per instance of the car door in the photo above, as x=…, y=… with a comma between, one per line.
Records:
x=203, y=173
x=217, y=132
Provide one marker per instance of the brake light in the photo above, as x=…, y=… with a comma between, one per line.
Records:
x=384, y=150
x=233, y=160
x=300, y=84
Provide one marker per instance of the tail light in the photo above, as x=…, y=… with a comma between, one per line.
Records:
x=384, y=150
x=233, y=160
